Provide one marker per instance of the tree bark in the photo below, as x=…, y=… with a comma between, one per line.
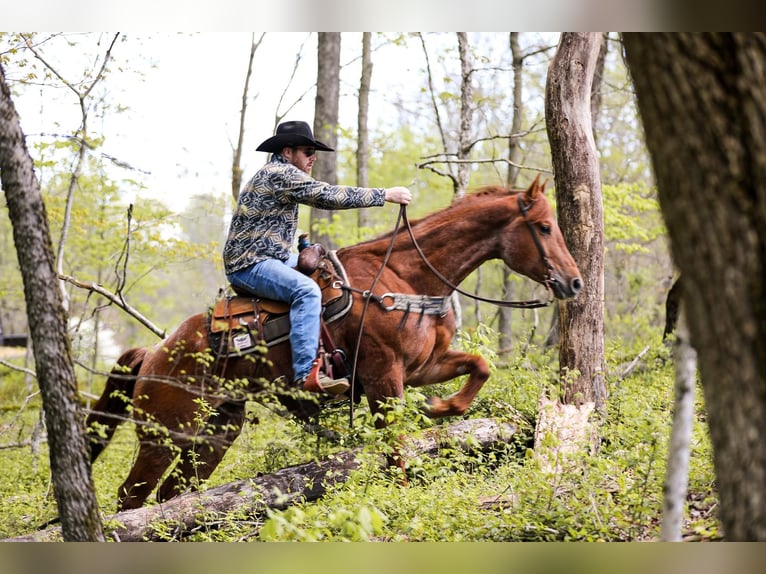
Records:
x=363, y=135
x=464, y=143
x=580, y=213
x=326, y=112
x=505, y=314
x=702, y=99
x=72, y=480
x=677, y=470
x=304, y=482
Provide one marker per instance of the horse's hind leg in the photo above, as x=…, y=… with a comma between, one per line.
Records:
x=112, y=407
x=152, y=461
x=201, y=457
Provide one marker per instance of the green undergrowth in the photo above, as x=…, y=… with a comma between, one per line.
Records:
x=613, y=493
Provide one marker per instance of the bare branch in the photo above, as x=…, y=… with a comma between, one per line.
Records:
x=433, y=96
x=117, y=300
x=121, y=271
x=236, y=167
x=17, y=368
x=279, y=116
x=429, y=164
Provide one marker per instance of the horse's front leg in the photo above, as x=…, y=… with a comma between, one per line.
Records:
x=450, y=365
x=380, y=389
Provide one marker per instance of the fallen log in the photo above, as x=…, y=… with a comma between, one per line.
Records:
x=278, y=490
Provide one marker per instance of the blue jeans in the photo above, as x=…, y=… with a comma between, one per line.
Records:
x=274, y=279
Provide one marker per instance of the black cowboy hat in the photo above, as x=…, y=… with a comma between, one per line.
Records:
x=292, y=134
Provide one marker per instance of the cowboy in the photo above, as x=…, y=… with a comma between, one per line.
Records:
x=257, y=254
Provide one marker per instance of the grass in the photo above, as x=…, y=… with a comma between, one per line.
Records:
x=613, y=494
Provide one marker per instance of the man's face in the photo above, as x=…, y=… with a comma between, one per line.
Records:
x=301, y=157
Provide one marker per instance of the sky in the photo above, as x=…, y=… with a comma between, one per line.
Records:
x=183, y=108
x=183, y=114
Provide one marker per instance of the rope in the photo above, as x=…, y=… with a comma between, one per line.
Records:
x=367, y=296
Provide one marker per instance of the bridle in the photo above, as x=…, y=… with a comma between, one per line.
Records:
x=536, y=238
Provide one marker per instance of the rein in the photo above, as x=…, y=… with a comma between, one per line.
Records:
x=530, y=304
x=367, y=296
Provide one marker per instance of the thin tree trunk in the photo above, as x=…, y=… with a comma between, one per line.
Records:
x=325, y=125
x=72, y=480
x=464, y=143
x=517, y=105
x=505, y=314
x=363, y=135
x=677, y=471
x=580, y=214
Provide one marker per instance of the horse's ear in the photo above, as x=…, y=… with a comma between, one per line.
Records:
x=535, y=188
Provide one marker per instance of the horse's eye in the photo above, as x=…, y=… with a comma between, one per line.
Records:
x=545, y=229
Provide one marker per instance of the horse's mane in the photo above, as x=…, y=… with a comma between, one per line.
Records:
x=487, y=190
x=477, y=194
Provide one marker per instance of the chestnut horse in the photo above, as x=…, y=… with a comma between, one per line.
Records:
x=396, y=347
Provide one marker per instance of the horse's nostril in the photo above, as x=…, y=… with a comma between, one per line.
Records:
x=576, y=284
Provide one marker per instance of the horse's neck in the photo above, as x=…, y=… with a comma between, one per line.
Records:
x=455, y=251
x=455, y=242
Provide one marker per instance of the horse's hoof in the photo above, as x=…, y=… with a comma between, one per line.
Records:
x=429, y=407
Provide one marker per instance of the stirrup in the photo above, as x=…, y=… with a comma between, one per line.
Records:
x=316, y=382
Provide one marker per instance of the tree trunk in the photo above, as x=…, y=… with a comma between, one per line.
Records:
x=326, y=111
x=677, y=472
x=363, y=136
x=580, y=213
x=596, y=90
x=517, y=105
x=702, y=99
x=302, y=483
x=552, y=337
x=464, y=142
x=505, y=314
x=72, y=480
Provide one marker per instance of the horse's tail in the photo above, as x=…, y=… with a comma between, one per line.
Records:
x=112, y=407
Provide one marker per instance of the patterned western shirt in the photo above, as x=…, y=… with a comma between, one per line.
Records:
x=265, y=221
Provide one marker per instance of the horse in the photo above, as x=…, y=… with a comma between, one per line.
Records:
x=398, y=338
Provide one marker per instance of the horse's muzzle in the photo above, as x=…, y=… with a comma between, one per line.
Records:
x=563, y=289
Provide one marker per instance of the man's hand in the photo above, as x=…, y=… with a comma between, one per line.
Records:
x=398, y=194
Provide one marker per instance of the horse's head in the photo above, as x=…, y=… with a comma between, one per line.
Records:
x=533, y=245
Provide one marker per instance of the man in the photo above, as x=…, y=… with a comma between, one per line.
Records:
x=257, y=254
